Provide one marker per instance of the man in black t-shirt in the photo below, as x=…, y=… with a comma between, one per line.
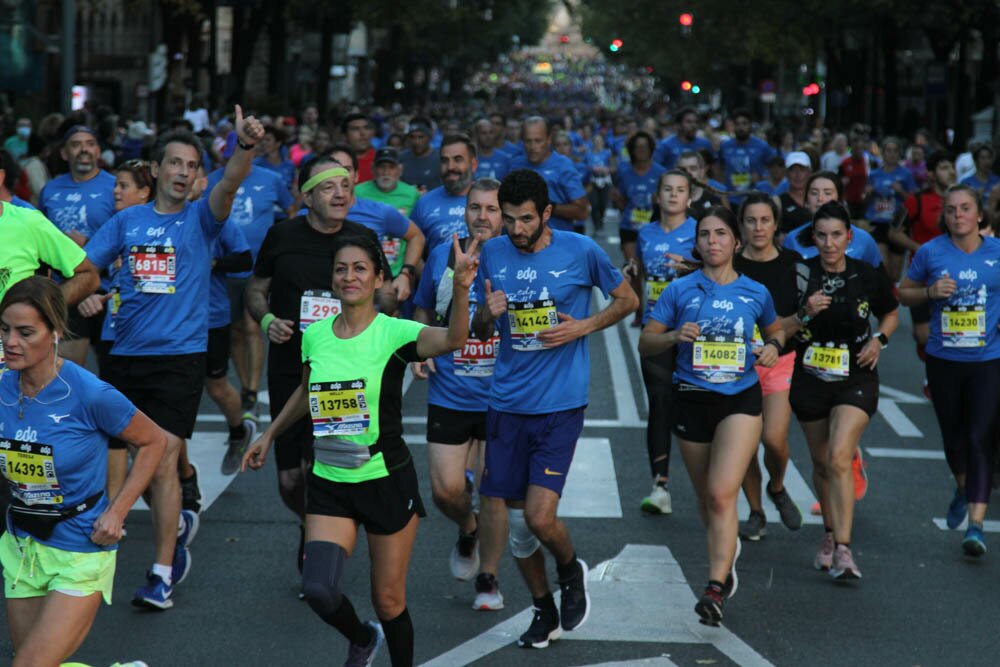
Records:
x=291, y=288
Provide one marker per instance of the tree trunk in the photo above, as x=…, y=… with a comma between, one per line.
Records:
x=277, y=67
x=325, y=61
x=247, y=25
x=890, y=81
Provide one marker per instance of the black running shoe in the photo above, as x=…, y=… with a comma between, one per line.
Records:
x=574, y=605
x=544, y=628
x=710, y=605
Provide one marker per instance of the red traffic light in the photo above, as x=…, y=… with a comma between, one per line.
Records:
x=811, y=89
x=686, y=20
x=617, y=43
x=686, y=86
x=564, y=39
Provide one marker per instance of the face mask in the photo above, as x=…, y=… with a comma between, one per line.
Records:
x=24, y=132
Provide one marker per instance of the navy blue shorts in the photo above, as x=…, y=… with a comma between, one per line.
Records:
x=528, y=449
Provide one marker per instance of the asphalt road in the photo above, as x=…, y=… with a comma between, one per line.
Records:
x=920, y=602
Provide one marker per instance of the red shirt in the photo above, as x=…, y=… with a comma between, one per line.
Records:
x=924, y=216
x=855, y=170
x=365, y=163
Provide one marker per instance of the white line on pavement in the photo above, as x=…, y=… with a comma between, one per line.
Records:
x=625, y=400
x=796, y=487
x=900, y=453
x=205, y=449
x=902, y=396
x=899, y=422
x=638, y=596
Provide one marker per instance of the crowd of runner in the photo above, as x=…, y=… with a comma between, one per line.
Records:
x=766, y=270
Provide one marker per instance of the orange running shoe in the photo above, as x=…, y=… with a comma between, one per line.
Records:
x=860, y=470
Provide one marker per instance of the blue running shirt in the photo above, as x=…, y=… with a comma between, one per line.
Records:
x=964, y=326
x=721, y=359
x=528, y=378
x=639, y=193
x=164, y=279
x=56, y=454
x=439, y=215
x=654, y=244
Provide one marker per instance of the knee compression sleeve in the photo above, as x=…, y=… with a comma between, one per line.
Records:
x=322, y=569
x=522, y=541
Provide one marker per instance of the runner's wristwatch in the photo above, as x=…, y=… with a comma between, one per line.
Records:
x=883, y=339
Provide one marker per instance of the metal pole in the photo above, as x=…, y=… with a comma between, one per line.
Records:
x=68, y=70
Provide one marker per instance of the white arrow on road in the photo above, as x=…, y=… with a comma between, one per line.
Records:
x=638, y=596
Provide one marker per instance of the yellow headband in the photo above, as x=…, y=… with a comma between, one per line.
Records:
x=322, y=176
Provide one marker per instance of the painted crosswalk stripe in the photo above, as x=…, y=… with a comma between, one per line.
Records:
x=900, y=423
x=205, y=449
x=900, y=453
x=796, y=487
x=640, y=595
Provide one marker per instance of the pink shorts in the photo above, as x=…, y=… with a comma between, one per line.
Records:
x=777, y=378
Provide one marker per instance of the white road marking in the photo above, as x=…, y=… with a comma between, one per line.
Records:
x=205, y=449
x=989, y=526
x=662, y=661
x=625, y=400
x=899, y=422
x=591, y=490
x=796, y=487
x=902, y=396
x=421, y=420
x=638, y=596
x=899, y=453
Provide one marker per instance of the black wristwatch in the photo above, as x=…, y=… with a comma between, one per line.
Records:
x=244, y=146
x=883, y=339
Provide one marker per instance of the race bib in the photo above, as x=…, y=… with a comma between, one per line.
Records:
x=477, y=358
x=2, y=358
x=30, y=471
x=529, y=319
x=391, y=247
x=154, y=268
x=338, y=408
x=719, y=359
x=641, y=216
x=654, y=288
x=316, y=305
x=827, y=363
x=741, y=181
x=962, y=327
x=885, y=205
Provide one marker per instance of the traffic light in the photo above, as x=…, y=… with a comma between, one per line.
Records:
x=564, y=39
x=686, y=20
x=616, y=44
x=811, y=89
x=696, y=89
x=686, y=86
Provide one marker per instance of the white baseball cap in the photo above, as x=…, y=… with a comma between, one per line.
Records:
x=798, y=158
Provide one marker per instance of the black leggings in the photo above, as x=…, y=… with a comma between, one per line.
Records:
x=657, y=375
x=966, y=398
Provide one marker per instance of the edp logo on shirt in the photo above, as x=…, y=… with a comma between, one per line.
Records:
x=722, y=304
x=968, y=274
x=530, y=275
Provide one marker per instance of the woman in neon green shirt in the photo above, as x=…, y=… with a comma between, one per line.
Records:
x=362, y=472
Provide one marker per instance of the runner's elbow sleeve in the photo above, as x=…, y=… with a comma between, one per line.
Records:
x=523, y=542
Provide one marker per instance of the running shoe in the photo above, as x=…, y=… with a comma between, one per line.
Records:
x=787, y=509
x=574, y=605
x=181, y=564
x=860, y=470
x=235, y=448
x=973, y=543
x=187, y=527
x=544, y=628
x=155, y=594
x=844, y=567
x=957, y=510
x=464, y=560
x=824, y=557
x=488, y=597
x=364, y=656
x=658, y=501
x=755, y=527
x=732, y=579
x=131, y=663
x=191, y=491
x=709, y=607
